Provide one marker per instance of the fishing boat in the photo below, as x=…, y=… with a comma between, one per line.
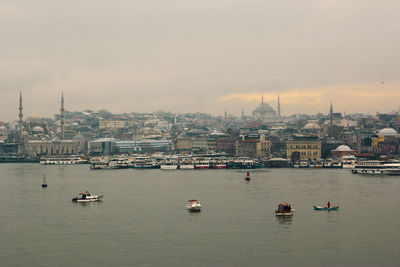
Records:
x=44, y=184
x=247, y=177
x=326, y=208
x=284, y=209
x=87, y=197
x=193, y=205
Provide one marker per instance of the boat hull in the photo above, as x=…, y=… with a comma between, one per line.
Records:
x=326, y=208
x=85, y=200
x=194, y=208
x=279, y=213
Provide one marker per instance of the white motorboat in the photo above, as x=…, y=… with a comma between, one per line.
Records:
x=87, y=197
x=193, y=205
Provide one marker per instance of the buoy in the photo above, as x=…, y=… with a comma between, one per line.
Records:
x=247, y=177
x=44, y=184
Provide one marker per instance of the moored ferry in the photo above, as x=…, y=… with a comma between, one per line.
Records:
x=186, y=164
x=376, y=167
x=144, y=162
x=202, y=164
x=219, y=164
x=349, y=162
x=169, y=164
x=66, y=160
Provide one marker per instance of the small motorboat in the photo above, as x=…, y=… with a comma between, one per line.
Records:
x=247, y=177
x=326, y=208
x=44, y=184
x=193, y=205
x=284, y=209
x=87, y=197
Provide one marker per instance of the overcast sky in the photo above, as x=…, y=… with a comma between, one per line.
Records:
x=199, y=55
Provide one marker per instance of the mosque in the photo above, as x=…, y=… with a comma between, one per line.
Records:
x=264, y=112
x=49, y=144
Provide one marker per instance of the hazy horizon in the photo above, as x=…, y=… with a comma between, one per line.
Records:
x=187, y=56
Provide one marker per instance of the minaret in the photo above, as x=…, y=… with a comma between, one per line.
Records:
x=20, y=115
x=331, y=115
x=279, y=106
x=62, y=116
x=226, y=115
x=262, y=99
x=242, y=114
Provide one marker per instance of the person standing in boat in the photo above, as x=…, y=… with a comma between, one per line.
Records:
x=329, y=204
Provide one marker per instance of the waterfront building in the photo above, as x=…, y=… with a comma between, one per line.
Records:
x=343, y=150
x=253, y=146
x=303, y=147
x=225, y=144
x=183, y=144
x=52, y=147
x=143, y=146
x=103, y=146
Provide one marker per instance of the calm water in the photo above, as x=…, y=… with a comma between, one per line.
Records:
x=142, y=220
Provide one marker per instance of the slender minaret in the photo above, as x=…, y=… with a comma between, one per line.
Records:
x=20, y=115
x=242, y=113
x=279, y=106
x=262, y=99
x=331, y=115
x=226, y=115
x=62, y=116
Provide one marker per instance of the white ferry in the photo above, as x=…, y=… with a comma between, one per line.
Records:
x=186, y=164
x=304, y=164
x=66, y=160
x=169, y=164
x=376, y=167
x=349, y=162
x=144, y=162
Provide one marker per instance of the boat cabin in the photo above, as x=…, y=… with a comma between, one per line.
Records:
x=85, y=195
x=284, y=207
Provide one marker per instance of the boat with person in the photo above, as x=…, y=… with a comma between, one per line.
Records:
x=87, y=197
x=193, y=205
x=284, y=209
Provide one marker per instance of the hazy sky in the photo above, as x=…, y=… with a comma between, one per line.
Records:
x=199, y=55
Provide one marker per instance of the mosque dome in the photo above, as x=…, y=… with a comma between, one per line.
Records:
x=264, y=112
x=312, y=126
x=387, y=132
x=343, y=148
x=33, y=118
x=38, y=129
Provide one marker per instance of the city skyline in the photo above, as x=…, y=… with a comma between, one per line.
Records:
x=185, y=56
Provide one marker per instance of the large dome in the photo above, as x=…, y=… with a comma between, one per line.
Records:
x=311, y=126
x=387, y=132
x=343, y=148
x=38, y=129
